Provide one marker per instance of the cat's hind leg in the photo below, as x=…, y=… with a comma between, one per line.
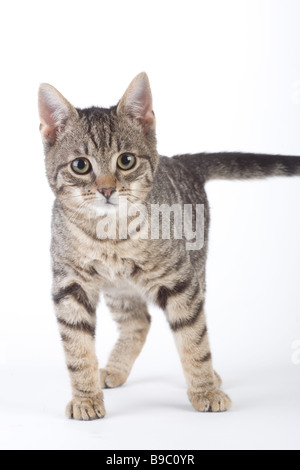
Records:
x=133, y=319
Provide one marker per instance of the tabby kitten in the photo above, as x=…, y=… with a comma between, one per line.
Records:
x=97, y=159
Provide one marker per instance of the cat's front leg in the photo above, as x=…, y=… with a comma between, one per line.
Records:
x=75, y=300
x=186, y=316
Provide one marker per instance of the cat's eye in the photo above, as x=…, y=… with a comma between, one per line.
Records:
x=81, y=166
x=126, y=161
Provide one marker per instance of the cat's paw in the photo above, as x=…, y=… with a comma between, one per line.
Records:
x=111, y=379
x=215, y=401
x=86, y=409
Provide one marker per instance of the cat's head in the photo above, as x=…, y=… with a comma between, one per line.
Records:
x=96, y=157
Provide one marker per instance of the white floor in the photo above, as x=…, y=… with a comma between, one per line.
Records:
x=151, y=411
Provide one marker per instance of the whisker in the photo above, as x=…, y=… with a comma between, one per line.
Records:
x=78, y=212
x=78, y=195
x=138, y=190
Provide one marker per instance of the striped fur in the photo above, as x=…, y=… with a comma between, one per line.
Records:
x=130, y=272
x=133, y=321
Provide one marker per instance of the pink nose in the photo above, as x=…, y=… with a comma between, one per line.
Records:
x=107, y=192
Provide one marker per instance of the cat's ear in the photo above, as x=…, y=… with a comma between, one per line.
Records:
x=55, y=111
x=137, y=102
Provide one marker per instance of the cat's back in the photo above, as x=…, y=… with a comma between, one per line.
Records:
x=178, y=181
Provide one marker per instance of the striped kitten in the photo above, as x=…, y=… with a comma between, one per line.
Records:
x=97, y=159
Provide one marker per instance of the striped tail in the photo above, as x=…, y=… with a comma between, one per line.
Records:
x=231, y=166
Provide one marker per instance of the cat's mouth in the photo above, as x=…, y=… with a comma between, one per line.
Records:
x=104, y=206
x=108, y=203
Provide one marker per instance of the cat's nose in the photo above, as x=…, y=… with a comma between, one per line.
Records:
x=107, y=192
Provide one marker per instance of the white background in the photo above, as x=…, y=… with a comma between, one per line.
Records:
x=225, y=76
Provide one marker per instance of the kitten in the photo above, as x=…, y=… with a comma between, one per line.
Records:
x=97, y=160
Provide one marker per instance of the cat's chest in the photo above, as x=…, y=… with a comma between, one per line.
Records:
x=118, y=262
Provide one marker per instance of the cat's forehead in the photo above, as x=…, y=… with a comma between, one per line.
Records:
x=99, y=128
x=104, y=133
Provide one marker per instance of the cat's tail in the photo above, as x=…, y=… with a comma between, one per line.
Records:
x=232, y=166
